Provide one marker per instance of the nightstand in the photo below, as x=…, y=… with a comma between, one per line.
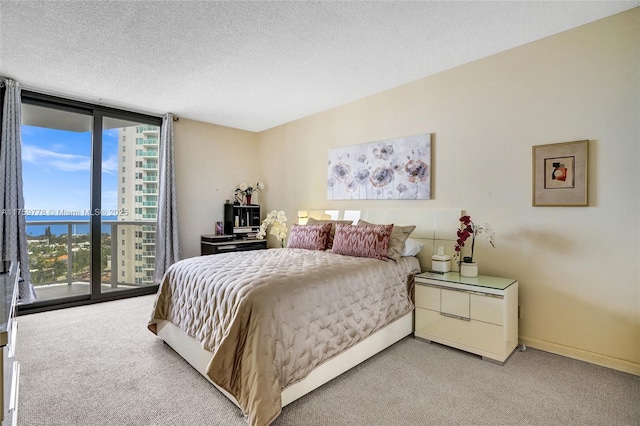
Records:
x=478, y=315
x=215, y=244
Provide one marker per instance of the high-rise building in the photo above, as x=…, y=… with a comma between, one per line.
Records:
x=138, y=196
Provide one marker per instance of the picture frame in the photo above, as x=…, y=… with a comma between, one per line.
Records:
x=560, y=174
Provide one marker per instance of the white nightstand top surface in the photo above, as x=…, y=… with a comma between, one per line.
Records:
x=495, y=283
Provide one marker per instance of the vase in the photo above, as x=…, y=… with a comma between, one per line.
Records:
x=469, y=269
x=248, y=199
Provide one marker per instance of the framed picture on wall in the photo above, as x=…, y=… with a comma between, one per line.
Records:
x=560, y=174
x=390, y=169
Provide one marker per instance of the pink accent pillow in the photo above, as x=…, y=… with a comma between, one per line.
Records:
x=362, y=240
x=311, y=237
x=399, y=235
x=333, y=223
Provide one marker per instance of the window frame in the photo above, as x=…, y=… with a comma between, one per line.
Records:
x=98, y=112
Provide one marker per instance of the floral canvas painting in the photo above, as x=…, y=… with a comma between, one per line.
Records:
x=391, y=169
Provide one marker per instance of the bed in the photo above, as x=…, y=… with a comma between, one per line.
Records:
x=268, y=326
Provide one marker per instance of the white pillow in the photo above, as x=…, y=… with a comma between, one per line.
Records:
x=411, y=247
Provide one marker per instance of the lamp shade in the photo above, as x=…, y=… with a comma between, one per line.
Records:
x=303, y=217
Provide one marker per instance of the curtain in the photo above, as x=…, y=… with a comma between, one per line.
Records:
x=13, y=228
x=167, y=237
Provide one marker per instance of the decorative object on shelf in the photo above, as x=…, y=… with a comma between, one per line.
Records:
x=469, y=268
x=441, y=262
x=244, y=192
x=277, y=220
x=391, y=169
x=560, y=174
x=243, y=221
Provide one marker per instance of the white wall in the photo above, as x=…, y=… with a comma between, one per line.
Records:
x=578, y=267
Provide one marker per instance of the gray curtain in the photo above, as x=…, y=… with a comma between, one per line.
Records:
x=167, y=237
x=12, y=222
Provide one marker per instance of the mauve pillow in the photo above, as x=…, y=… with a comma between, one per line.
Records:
x=362, y=240
x=311, y=237
x=333, y=223
x=399, y=235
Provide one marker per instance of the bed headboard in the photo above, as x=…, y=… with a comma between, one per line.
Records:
x=434, y=227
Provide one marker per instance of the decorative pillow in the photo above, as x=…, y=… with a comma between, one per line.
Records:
x=362, y=240
x=411, y=247
x=399, y=235
x=311, y=237
x=333, y=223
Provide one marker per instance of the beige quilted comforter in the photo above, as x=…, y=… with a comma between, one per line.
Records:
x=270, y=316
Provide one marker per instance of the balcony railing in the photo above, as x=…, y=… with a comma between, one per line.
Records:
x=60, y=254
x=147, y=141
x=148, y=129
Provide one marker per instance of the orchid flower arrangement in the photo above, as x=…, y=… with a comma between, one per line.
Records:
x=470, y=229
x=243, y=190
x=277, y=220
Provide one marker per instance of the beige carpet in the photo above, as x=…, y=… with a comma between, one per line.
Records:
x=98, y=365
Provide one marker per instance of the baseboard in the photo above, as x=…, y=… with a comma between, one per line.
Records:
x=582, y=355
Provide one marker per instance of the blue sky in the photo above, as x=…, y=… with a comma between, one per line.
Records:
x=56, y=169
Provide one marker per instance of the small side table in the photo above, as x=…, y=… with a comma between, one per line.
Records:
x=478, y=315
x=216, y=244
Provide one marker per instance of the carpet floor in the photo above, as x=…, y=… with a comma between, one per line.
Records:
x=99, y=365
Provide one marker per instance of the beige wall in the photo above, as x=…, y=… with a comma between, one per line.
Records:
x=211, y=161
x=578, y=266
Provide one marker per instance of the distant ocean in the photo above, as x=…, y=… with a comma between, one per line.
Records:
x=61, y=229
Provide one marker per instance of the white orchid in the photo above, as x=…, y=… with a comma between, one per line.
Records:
x=278, y=222
x=490, y=234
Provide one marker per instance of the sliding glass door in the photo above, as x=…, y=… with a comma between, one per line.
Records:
x=90, y=187
x=129, y=201
x=56, y=159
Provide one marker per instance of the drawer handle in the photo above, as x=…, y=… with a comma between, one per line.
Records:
x=229, y=247
x=455, y=316
x=461, y=290
x=495, y=296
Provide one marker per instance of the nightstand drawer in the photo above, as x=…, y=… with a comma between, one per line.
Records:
x=487, y=309
x=455, y=303
x=428, y=297
x=459, y=333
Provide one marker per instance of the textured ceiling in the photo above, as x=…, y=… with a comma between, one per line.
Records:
x=256, y=65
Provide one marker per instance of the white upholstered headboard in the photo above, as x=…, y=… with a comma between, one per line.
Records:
x=434, y=227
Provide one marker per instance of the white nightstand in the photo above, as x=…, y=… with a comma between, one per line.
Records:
x=478, y=315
